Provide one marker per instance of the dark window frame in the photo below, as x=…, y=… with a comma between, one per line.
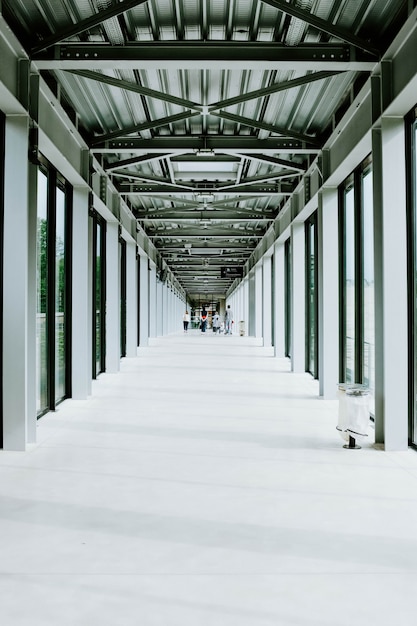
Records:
x=56, y=180
x=411, y=208
x=288, y=296
x=355, y=181
x=98, y=222
x=2, y=161
x=309, y=223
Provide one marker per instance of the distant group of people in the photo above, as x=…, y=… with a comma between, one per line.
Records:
x=216, y=321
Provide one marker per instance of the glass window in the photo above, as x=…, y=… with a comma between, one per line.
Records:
x=42, y=400
x=368, y=357
x=122, y=259
x=99, y=294
x=349, y=285
x=413, y=304
x=311, y=296
x=357, y=279
x=53, y=284
x=60, y=291
x=288, y=299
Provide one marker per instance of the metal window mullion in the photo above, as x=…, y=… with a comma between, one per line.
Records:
x=103, y=292
x=307, y=293
x=122, y=298
x=342, y=285
x=316, y=300
x=68, y=290
x=359, y=313
x=94, y=298
x=2, y=156
x=51, y=296
x=412, y=264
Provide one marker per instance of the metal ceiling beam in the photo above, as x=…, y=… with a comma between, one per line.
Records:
x=181, y=262
x=201, y=55
x=147, y=179
x=221, y=143
x=89, y=22
x=163, y=121
x=202, y=246
x=205, y=233
x=150, y=190
x=144, y=91
x=264, y=158
x=260, y=179
x=224, y=216
x=247, y=121
x=323, y=25
x=267, y=91
x=194, y=158
x=110, y=167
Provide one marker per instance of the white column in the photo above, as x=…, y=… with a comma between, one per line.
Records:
x=328, y=292
x=112, y=298
x=279, y=300
x=246, y=304
x=391, y=290
x=298, y=297
x=81, y=297
x=159, y=309
x=267, y=301
x=15, y=284
x=32, y=306
x=131, y=299
x=153, y=310
x=251, y=305
x=258, y=301
x=144, y=301
x=165, y=292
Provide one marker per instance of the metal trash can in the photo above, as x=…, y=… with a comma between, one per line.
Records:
x=353, y=418
x=241, y=328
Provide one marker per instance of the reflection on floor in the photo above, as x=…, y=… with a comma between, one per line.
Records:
x=205, y=485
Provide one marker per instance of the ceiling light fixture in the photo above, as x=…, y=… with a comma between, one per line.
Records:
x=205, y=197
x=205, y=152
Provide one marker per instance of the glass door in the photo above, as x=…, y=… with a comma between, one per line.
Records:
x=99, y=295
x=53, y=275
x=2, y=155
x=288, y=298
x=413, y=281
x=311, y=296
x=122, y=252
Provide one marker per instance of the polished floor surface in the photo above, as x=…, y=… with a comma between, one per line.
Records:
x=205, y=485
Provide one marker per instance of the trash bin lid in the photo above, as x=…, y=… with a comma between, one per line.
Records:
x=359, y=390
x=352, y=386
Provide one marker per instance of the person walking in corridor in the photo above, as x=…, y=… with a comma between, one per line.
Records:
x=186, y=321
x=228, y=320
x=216, y=322
x=203, y=320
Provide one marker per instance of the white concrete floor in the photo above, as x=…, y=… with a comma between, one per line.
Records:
x=205, y=485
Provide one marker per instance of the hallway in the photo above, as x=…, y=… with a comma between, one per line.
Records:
x=205, y=485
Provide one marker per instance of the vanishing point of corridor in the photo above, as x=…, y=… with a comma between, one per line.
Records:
x=205, y=485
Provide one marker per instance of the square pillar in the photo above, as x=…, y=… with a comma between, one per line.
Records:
x=131, y=299
x=328, y=292
x=298, y=297
x=391, y=299
x=112, y=298
x=159, y=309
x=267, y=300
x=279, y=300
x=81, y=297
x=153, y=310
x=144, y=301
x=15, y=286
x=258, y=301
